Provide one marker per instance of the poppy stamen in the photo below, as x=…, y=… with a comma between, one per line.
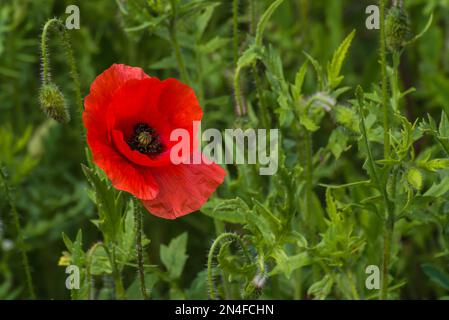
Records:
x=145, y=140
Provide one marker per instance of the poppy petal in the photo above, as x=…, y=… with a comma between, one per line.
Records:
x=179, y=102
x=123, y=175
x=184, y=188
x=106, y=84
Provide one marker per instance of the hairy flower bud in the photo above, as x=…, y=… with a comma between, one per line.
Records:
x=53, y=103
x=397, y=28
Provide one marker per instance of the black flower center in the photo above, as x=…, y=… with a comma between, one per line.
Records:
x=145, y=140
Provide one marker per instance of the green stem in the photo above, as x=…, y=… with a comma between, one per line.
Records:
x=58, y=26
x=89, y=258
x=20, y=239
x=235, y=30
x=387, y=236
x=252, y=10
x=309, y=181
x=262, y=103
x=383, y=63
x=210, y=257
x=355, y=294
x=219, y=229
x=297, y=293
x=239, y=104
x=139, y=228
x=389, y=215
x=175, y=44
x=119, y=289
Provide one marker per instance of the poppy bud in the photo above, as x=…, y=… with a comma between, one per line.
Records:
x=397, y=28
x=53, y=103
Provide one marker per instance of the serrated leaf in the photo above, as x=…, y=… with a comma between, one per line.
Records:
x=316, y=66
x=334, y=66
x=414, y=177
x=438, y=189
x=434, y=164
x=299, y=81
x=321, y=289
x=174, y=255
x=436, y=275
x=287, y=264
x=264, y=20
x=229, y=210
x=338, y=142
x=347, y=117
x=251, y=54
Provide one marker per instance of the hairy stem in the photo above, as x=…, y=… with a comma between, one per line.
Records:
x=175, y=44
x=118, y=283
x=235, y=30
x=383, y=64
x=389, y=215
x=253, y=13
x=56, y=25
x=20, y=239
x=139, y=228
x=387, y=236
x=309, y=181
x=210, y=257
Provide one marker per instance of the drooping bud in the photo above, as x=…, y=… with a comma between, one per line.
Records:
x=397, y=28
x=53, y=103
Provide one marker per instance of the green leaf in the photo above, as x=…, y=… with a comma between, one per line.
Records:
x=250, y=55
x=438, y=189
x=287, y=264
x=100, y=263
x=321, y=289
x=414, y=177
x=198, y=287
x=347, y=117
x=338, y=142
x=334, y=66
x=109, y=202
x=316, y=66
x=78, y=258
x=229, y=210
x=434, y=164
x=308, y=123
x=436, y=275
x=419, y=35
x=264, y=20
x=299, y=81
x=134, y=293
x=174, y=255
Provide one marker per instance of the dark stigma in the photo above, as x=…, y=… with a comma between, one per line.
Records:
x=145, y=140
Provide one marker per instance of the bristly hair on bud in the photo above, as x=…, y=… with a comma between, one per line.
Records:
x=51, y=99
x=53, y=103
x=397, y=28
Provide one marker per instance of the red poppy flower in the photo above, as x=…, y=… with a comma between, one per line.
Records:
x=129, y=117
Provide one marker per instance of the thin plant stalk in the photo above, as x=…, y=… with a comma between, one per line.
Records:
x=210, y=257
x=139, y=228
x=235, y=30
x=20, y=239
x=58, y=26
x=118, y=283
x=388, y=227
x=220, y=229
x=383, y=63
x=389, y=216
x=175, y=44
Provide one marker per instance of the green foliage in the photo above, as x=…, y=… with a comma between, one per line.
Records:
x=174, y=255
